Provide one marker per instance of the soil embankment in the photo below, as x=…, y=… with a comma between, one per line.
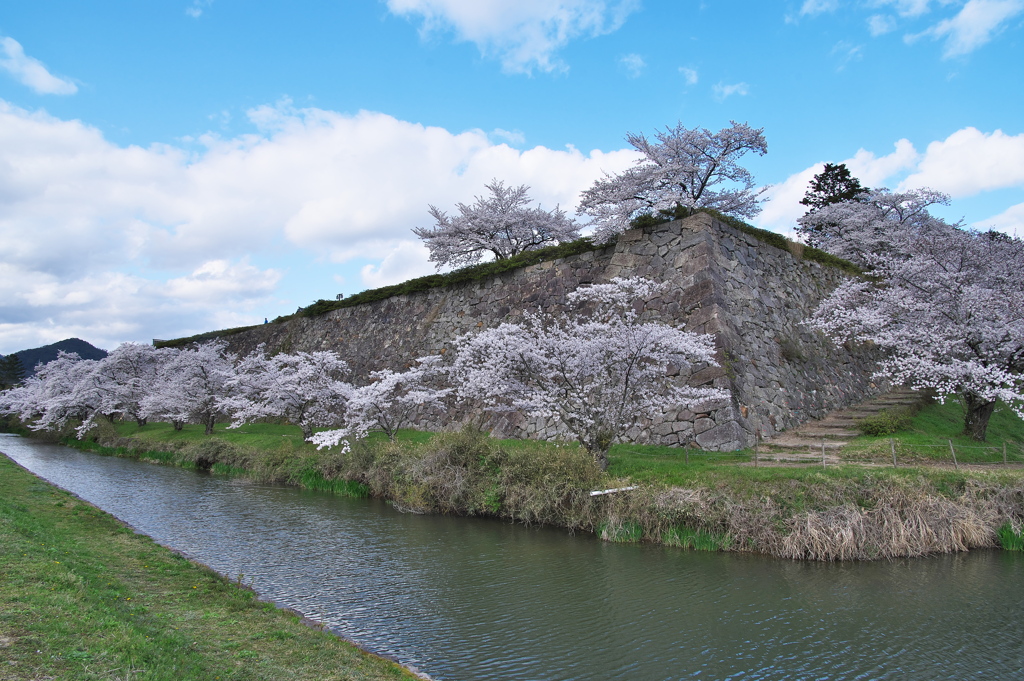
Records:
x=848, y=512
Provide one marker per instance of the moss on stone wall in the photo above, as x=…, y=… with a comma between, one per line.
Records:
x=490, y=269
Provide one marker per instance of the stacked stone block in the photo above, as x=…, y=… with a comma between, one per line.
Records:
x=751, y=296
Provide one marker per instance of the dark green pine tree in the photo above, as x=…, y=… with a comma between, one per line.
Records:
x=11, y=371
x=832, y=185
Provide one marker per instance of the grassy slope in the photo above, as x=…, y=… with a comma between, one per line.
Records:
x=846, y=511
x=925, y=442
x=83, y=597
x=927, y=439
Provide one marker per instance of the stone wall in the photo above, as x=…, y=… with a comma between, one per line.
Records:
x=750, y=295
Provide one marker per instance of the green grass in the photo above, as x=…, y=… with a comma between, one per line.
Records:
x=926, y=440
x=699, y=540
x=667, y=465
x=1011, y=539
x=263, y=436
x=83, y=597
x=490, y=269
x=692, y=499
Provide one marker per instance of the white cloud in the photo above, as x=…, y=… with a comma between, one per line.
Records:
x=689, y=75
x=220, y=280
x=408, y=260
x=812, y=7
x=523, y=34
x=969, y=162
x=874, y=171
x=31, y=72
x=976, y=24
x=510, y=136
x=847, y=52
x=909, y=8
x=634, y=65
x=1010, y=221
x=722, y=91
x=783, y=206
x=122, y=232
x=195, y=10
x=880, y=24
x=107, y=308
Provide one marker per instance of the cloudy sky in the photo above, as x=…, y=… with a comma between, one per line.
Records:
x=174, y=166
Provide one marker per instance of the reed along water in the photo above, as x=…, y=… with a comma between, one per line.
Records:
x=466, y=599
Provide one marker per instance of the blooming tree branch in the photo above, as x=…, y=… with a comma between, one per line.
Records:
x=501, y=224
x=947, y=307
x=688, y=168
x=598, y=371
x=191, y=386
x=388, y=402
x=304, y=388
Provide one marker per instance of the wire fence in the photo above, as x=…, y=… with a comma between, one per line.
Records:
x=999, y=455
x=1006, y=453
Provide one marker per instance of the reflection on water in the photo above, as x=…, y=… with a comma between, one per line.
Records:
x=468, y=599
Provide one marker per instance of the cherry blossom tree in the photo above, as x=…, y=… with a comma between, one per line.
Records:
x=597, y=371
x=191, y=385
x=684, y=168
x=124, y=378
x=501, y=224
x=388, y=402
x=61, y=391
x=947, y=307
x=304, y=388
x=869, y=224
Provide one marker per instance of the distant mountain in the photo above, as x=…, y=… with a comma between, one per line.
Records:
x=29, y=358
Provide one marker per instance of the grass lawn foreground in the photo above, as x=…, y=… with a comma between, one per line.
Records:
x=84, y=597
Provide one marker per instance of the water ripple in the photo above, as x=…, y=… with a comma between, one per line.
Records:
x=467, y=599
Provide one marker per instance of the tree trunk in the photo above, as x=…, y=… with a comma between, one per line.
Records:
x=140, y=420
x=978, y=412
x=209, y=421
x=178, y=425
x=601, y=458
x=307, y=430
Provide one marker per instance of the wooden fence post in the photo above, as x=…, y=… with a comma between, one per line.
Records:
x=953, y=452
x=892, y=448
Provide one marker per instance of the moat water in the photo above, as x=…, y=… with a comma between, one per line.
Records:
x=464, y=599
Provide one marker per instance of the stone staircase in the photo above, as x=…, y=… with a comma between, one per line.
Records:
x=804, y=443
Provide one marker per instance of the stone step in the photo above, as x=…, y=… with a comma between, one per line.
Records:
x=800, y=443
x=836, y=422
x=892, y=401
x=799, y=457
x=859, y=414
x=819, y=432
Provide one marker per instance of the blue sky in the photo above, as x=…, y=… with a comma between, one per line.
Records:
x=174, y=166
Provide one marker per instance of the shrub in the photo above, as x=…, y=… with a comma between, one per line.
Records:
x=700, y=540
x=887, y=421
x=1011, y=536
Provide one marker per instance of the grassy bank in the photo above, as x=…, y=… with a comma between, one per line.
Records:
x=700, y=500
x=83, y=597
x=926, y=436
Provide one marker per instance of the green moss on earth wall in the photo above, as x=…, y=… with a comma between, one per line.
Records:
x=845, y=512
x=724, y=280
x=490, y=269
